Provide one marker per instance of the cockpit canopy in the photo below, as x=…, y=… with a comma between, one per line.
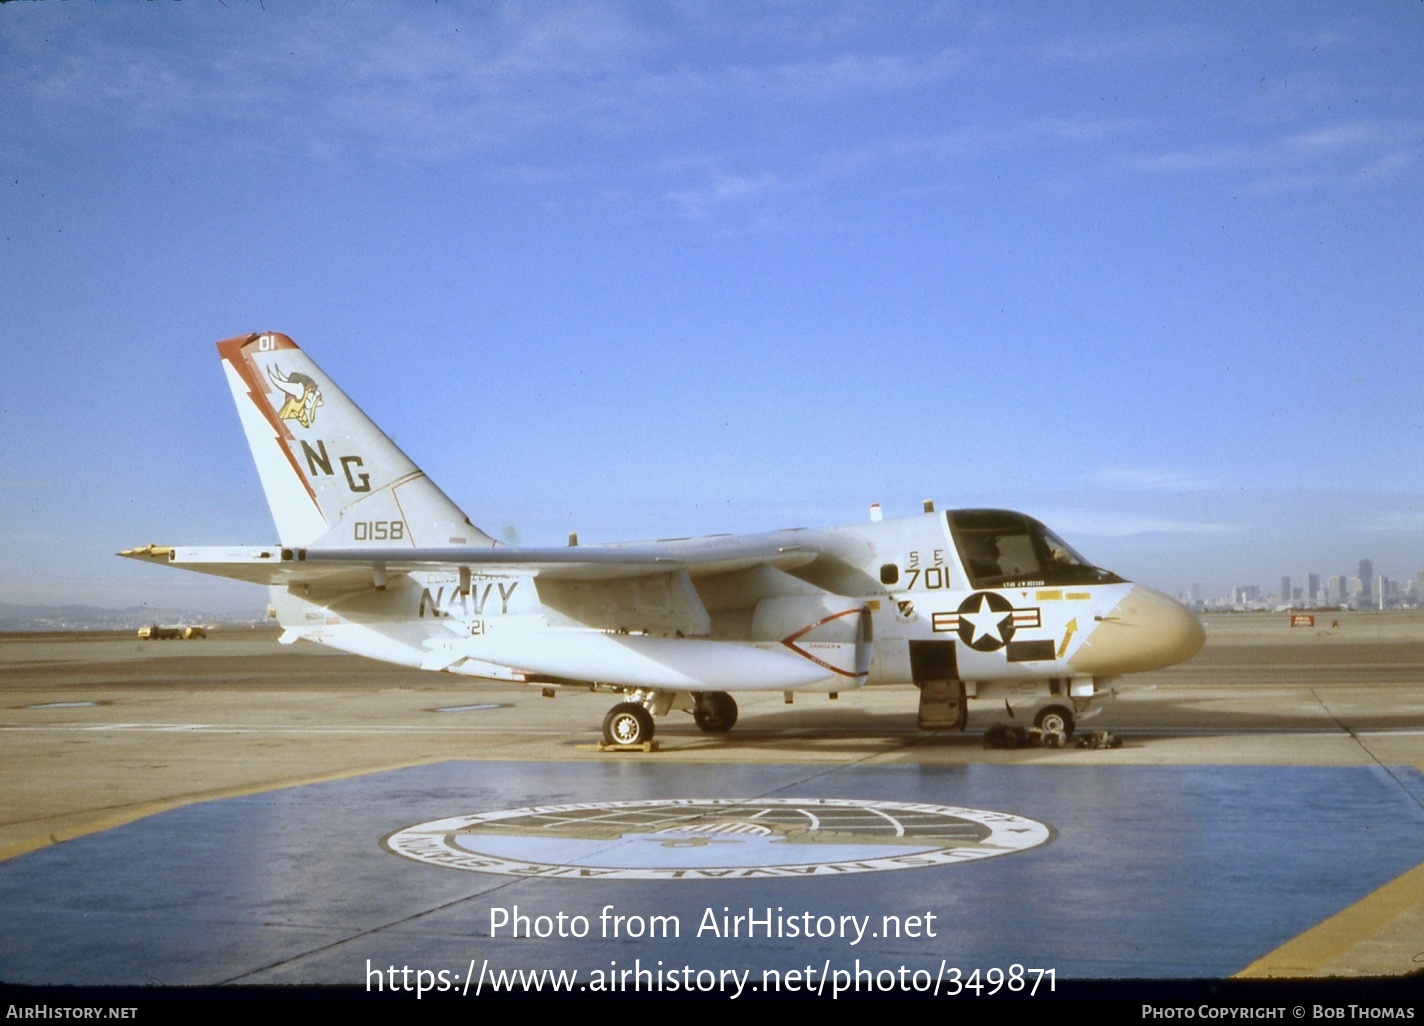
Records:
x=1003, y=549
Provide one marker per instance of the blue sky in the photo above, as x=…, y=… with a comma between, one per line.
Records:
x=1151, y=272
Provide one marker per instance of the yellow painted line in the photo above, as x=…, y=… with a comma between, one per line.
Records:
x=1322, y=945
x=108, y=819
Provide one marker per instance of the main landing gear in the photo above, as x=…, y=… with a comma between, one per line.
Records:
x=631, y=723
x=627, y=723
x=714, y=711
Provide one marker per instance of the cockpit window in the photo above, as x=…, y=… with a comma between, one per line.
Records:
x=1001, y=548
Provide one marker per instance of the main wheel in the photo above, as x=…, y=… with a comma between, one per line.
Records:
x=1055, y=719
x=627, y=723
x=715, y=711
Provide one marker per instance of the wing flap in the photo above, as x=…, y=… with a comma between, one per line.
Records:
x=653, y=602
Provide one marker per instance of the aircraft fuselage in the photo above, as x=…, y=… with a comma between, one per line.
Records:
x=374, y=559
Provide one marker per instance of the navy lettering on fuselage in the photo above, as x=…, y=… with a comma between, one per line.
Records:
x=464, y=606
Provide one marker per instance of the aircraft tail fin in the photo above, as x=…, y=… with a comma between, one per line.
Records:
x=332, y=477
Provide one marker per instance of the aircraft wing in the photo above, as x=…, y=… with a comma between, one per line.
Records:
x=698, y=556
x=284, y=566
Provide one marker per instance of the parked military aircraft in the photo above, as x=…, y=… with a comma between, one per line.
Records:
x=374, y=559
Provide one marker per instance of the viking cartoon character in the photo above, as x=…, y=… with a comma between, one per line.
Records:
x=303, y=396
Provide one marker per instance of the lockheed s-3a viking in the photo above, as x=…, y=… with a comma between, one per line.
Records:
x=374, y=559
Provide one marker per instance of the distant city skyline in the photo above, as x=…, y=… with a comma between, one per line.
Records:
x=1313, y=590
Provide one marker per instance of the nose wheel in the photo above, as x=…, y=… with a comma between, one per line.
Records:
x=1055, y=719
x=627, y=723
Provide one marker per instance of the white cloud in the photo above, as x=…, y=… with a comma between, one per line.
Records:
x=1098, y=48
x=1148, y=479
x=1112, y=524
x=720, y=188
x=1350, y=135
x=1396, y=520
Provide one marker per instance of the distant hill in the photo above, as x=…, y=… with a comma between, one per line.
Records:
x=15, y=617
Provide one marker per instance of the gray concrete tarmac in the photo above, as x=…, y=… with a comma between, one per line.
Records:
x=1288, y=761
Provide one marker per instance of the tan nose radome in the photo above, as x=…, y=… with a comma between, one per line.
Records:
x=1146, y=631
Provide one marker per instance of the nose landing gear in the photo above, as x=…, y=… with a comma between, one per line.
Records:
x=1055, y=719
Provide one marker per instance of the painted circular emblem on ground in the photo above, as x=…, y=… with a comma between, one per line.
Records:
x=716, y=838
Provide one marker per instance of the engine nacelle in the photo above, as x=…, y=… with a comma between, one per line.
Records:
x=831, y=631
